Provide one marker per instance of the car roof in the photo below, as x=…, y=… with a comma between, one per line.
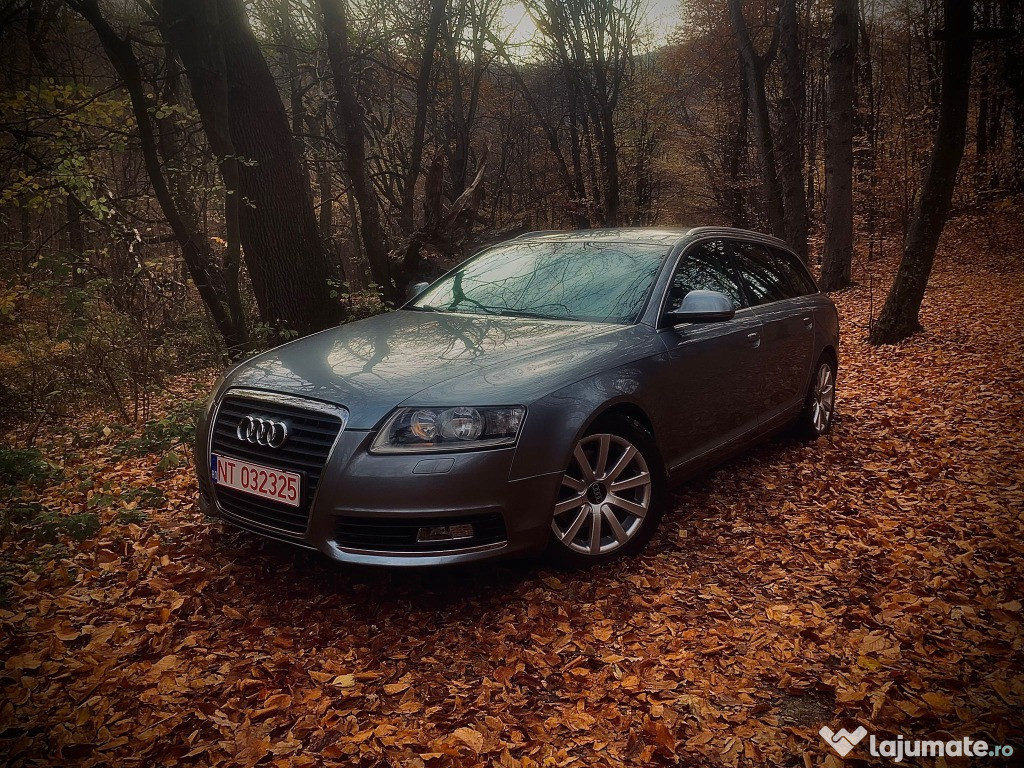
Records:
x=653, y=235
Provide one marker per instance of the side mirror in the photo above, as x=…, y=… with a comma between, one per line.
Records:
x=416, y=289
x=702, y=307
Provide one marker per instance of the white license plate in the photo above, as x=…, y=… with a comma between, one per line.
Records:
x=265, y=482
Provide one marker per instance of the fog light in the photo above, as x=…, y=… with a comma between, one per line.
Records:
x=445, y=532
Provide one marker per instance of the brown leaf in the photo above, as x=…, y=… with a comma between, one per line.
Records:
x=470, y=737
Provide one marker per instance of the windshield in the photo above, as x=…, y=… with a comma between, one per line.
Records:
x=596, y=282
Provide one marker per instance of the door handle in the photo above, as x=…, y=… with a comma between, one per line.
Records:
x=808, y=321
x=754, y=337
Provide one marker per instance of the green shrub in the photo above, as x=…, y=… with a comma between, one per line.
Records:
x=163, y=435
x=21, y=512
x=20, y=465
x=16, y=514
x=50, y=526
x=149, y=497
x=129, y=516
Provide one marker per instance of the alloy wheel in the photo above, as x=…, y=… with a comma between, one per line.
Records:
x=605, y=495
x=824, y=398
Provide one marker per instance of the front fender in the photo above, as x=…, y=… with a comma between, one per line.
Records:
x=557, y=421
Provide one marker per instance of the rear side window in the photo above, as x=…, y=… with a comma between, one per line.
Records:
x=798, y=276
x=705, y=267
x=766, y=277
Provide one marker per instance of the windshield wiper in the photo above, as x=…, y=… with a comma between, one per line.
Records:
x=526, y=313
x=499, y=311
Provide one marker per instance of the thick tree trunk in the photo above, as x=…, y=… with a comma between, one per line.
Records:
x=268, y=205
x=900, y=314
x=791, y=126
x=837, y=260
x=352, y=134
x=754, y=77
x=289, y=267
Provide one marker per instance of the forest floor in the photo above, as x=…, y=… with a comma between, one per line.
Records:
x=871, y=578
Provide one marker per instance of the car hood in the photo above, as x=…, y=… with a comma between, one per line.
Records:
x=371, y=366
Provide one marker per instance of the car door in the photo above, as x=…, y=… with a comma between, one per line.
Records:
x=709, y=373
x=777, y=288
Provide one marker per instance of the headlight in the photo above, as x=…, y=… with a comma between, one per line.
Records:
x=412, y=430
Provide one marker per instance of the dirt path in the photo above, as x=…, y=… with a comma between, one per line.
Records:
x=872, y=578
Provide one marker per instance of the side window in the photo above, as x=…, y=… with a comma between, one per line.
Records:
x=705, y=267
x=798, y=278
x=765, y=277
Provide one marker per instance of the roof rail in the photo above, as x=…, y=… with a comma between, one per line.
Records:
x=538, y=233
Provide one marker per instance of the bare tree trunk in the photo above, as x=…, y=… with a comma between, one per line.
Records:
x=76, y=240
x=837, y=260
x=811, y=146
x=325, y=214
x=459, y=158
x=585, y=206
x=734, y=193
x=754, y=76
x=196, y=250
x=200, y=54
x=900, y=314
x=297, y=105
x=352, y=133
x=865, y=124
x=608, y=147
x=791, y=127
x=412, y=173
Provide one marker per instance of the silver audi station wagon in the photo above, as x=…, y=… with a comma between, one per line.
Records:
x=544, y=394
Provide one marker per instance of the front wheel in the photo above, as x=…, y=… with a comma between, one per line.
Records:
x=611, y=497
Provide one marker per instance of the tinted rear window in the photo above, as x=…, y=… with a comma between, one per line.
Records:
x=797, y=273
x=767, y=280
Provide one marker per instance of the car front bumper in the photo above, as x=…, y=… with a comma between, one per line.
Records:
x=369, y=508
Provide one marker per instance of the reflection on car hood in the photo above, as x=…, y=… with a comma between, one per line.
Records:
x=373, y=365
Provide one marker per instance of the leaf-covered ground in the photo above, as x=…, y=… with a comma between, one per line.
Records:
x=874, y=578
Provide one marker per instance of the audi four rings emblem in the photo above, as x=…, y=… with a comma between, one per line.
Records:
x=253, y=429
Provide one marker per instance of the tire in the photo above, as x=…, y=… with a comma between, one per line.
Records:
x=819, y=409
x=618, y=452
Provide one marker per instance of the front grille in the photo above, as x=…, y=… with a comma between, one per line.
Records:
x=399, y=534
x=311, y=434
